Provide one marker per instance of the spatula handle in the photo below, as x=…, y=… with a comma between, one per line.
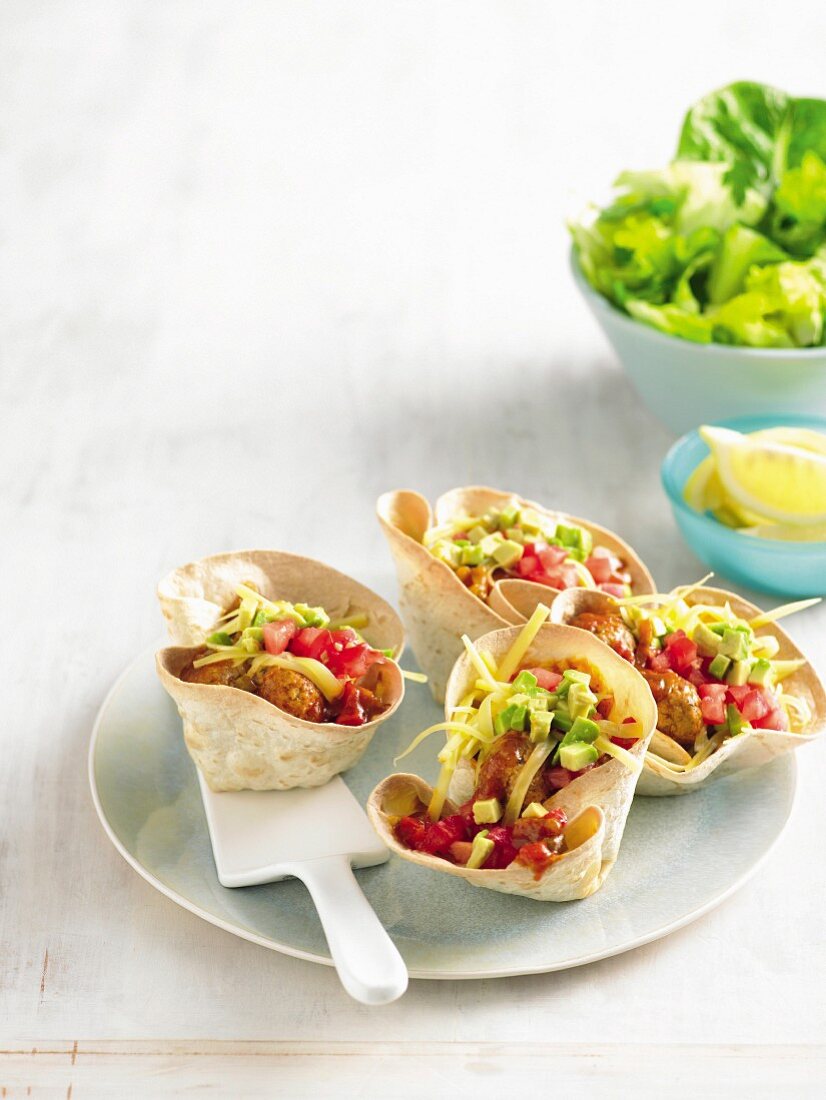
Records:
x=368, y=962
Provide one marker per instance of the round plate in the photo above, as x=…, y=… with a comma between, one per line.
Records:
x=680, y=856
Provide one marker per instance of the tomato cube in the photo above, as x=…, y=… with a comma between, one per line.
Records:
x=713, y=709
x=547, y=679
x=277, y=635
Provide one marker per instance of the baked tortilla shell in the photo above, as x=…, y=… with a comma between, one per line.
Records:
x=193, y=596
x=436, y=607
x=237, y=739
x=606, y=791
x=749, y=749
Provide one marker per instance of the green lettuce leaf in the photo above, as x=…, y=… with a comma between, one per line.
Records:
x=746, y=126
x=727, y=242
x=799, y=214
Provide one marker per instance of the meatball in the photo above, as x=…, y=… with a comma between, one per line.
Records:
x=499, y=771
x=609, y=629
x=678, y=706
x=224, y=673
x=292, y=692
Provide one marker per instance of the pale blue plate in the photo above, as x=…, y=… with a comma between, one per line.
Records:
x=769, y=565
x=668, y=874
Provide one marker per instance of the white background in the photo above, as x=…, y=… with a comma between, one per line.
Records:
x=261, y=261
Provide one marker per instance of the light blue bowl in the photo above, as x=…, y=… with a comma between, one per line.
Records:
x=686, y=384
x=769, y=565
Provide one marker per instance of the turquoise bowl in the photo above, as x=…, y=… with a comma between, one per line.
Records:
x=769, y=565
x=686, y=384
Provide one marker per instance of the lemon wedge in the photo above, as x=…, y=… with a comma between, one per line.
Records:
x=704, y=492
x=780, y=482
x=806, y=439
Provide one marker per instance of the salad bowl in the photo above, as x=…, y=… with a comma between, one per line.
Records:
x=685, y=384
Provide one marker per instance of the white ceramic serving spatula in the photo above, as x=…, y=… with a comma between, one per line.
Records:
x=317, y=836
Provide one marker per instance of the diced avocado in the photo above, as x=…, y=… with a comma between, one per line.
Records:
x=540, y=724
x=524, y=681
x=536, y=809
x=519, y=699
x=513, y=717
x=487, y=811
x=317, y=616
x=562, y=720
x=219, y=638
x=507, y=553
x=760, y=673
x=477, y=533
x=738, y=674
x=540, y=700
x=481, y=849
x=719, y=628
x=707, y=639
x=530, y=520
x=577, y=756
x=252, y=639
x=582, y=729
x=569, y=536
x=448, y=551
x=580, y=700
x=472, y=555
x=490, y=544
x=734, y=720
x=516, y=534
x=719, y=666
x=519, y=717
x=734, y=644
x=574, y=676
x=508, y=517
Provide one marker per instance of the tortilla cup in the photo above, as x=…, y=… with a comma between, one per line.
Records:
x=747, y=750
x=597, y=802
x=436, y=607
x=237, y=739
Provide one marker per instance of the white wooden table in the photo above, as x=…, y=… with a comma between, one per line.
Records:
x=261, y=261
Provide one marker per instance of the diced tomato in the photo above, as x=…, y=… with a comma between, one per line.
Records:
x=528, y=563
x=343, y=637
x=712, y=691
x=754, y=706
x=411, y=831
x=551, y=556
x=681, y=650
x=604, y=706
x=713, y=709
x=503, y=853
x=353, y=661
x=547, y=679
x=599, y=566
x=312, y=641
x=660, y=662
x=617, y=590
x=441, y=834
x=774, y=720
x=559, y=777
x=629, y=720
x=737, y=693
x=625, y=742
x=696, y=677
x=277, y=635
